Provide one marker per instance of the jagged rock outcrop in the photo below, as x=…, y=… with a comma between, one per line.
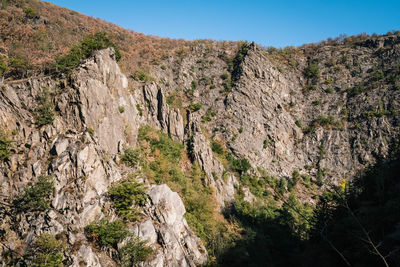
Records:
x=159, y=114
x=218, y=178
x=273, y=118
x=79, y=150
x=180, y=246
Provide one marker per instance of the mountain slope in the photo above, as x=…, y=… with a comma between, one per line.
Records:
x=250, y=139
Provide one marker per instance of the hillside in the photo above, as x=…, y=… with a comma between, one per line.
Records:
x=121, y=149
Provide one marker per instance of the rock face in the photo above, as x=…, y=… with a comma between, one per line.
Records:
x=79, y=149
x=180, y=246
x=254, y=105
x=276, y=118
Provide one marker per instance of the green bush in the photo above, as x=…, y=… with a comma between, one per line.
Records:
x=312, y=72
x=3, y=65
x=378, y=112
x=320, y=176
x=210, y=113
x=143, y=76
x=329, y=90
x=18, y=65
x=45, y=111
x=5, y=147
x=134, y=252
x=36, y=197
x=224, y=76
x=266, y=143
x=121, y=109
x=46, y=251
x=216, y=147
x=170, y=99
x=310, y=87
x=356, y=90
x=106, y=233
x=84, y=50
x=316, y=102
x=295, y=178
x=328, y=121
x=324, y=121
x=125, y=195
x=130, y=157
x=239, y=165
x=139, y=109
x=281, y=186
x=169, y=148
x=193, y=107
x=299, y=123
x=193, y=85
x=31, y=13
x=227, y=85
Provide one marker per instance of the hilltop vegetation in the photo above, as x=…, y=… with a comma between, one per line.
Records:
x=34, y=33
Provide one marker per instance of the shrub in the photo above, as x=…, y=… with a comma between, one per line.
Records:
x=311, y=72
x=266, y=143
x=216, y=147
x=84, y=50
x=31, y=13
x=281, y=186
x=209, y=115
x=36, y=197
x=193, y=107
x=295, y=178
x=3, y=65
x=316, y=102
x=239, y=165
x=320, y=176
x=18, y=65
x=299, y=123
x=106, y=233
x=324, y=121
x=329, y=90
x=46, y=251
x=125, y=195
x=241, y=54
x=379, y=112
x=193, y=85
x=130, y=157
x=5, y=147
x=170, y=99
x=142, y=76
x=356, y=90
x=224, y=76
x=328, y=121
x=139, y=109
x=90, y=130
x=121, y=109
x=228, y=85
x=310, y=87
x=44, y=113
x=134, y=252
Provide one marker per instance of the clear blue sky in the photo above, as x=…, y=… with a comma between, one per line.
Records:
x=270, y=23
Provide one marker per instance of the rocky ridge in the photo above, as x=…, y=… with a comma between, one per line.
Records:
x=258, y=109
x=84, y=166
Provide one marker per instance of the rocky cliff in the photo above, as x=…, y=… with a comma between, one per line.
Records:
x=84, y=164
